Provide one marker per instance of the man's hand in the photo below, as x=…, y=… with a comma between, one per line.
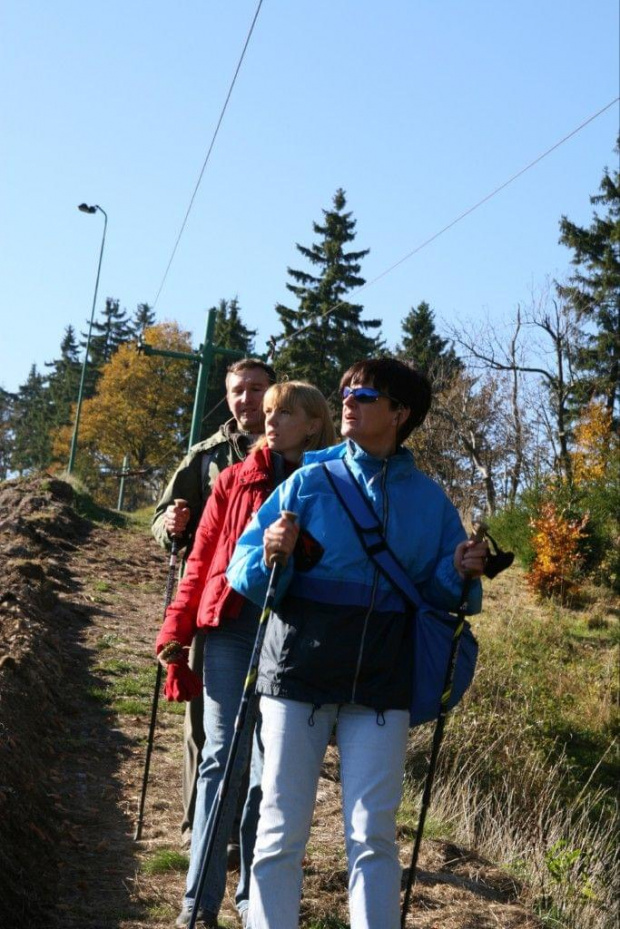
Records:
x=279, y=540
x=470, y=558
x=176, y=518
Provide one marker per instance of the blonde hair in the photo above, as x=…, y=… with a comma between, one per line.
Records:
x=296, y=394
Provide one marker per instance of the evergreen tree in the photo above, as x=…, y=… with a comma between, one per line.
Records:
x=31, y=417
x=63, y=382
x=425, y=349
x=594, y=292
x=143, y=318
x=7, y=401
x=326, y=334
x=109, y=334
x=229, y=332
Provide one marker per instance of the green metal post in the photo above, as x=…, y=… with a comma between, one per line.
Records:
x=206, y=356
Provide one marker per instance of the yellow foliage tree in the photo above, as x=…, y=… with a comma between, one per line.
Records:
x=595, y=444
x=555, y=540
x=141, y=408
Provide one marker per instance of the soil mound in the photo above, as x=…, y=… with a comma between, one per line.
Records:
x=39, y=530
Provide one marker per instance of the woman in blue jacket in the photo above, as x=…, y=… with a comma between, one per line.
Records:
x=338, y=650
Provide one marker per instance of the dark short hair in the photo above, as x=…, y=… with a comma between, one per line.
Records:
x=248, y=364
x=405, y=386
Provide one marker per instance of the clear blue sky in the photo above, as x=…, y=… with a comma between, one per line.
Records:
x=417, y=108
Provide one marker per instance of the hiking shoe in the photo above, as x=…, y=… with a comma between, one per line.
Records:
x=233, y=856
x=204, y=920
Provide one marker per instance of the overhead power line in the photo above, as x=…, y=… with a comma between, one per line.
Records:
x=208, y=155
x=277, y=342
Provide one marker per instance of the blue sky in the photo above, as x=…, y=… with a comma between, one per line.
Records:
x=417, y=108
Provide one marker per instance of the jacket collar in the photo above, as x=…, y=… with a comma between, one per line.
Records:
x=401, y=459
x=258, y=466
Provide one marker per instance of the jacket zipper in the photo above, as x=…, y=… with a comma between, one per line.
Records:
x=374, y=587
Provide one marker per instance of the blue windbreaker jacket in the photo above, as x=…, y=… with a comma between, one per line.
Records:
x=340, y=633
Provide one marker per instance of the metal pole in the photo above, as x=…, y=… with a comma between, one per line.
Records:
x=86, y=209
x=206, y=356
x=246, y=715
x=121, y=489
x=174, y=549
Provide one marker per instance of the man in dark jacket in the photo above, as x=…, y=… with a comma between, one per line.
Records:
x=246, y=383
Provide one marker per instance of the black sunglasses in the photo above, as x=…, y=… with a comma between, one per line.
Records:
x=365, y=394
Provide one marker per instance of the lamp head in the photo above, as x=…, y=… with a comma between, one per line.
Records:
x=85, y=208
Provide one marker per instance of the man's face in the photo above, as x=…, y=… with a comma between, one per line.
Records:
x=244, y=396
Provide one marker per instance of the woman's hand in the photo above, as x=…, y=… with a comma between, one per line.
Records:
x=470, y=558
x=279, y=540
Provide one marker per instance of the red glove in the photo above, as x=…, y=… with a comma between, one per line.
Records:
x=181, y=682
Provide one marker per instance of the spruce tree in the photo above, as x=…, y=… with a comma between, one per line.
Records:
x=594, y=292
x=325, y=334
x=31, y=418
x=229, y=332
x=63, y=382
x=425, y=349
x=113, y=330
x=7, y=401
x=143, y=318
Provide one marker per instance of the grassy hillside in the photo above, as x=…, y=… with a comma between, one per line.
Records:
x=529, y=765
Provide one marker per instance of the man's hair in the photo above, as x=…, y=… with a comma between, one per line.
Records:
x=401, y=381
x=248, y=364
x=300, y=394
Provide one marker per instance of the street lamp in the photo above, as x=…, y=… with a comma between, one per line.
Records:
x=86, y=209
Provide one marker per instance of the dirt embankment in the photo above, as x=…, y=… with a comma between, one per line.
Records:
x=80, y=605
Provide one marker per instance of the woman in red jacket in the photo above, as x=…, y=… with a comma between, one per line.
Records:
x=297, y=419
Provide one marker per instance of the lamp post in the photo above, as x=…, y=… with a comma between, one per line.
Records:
x=86, y=209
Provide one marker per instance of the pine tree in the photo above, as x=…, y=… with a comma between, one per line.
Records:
x=7, y=401
x=31, y=416
x=143, y=318
x=109, y=334
x=326, y=334
x=63, y=382
x=425, y=349
x=594, y=292
x=229, y=332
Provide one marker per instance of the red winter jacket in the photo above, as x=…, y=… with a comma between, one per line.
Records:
x=204, y=597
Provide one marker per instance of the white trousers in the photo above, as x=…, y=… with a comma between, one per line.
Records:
x=372, y=759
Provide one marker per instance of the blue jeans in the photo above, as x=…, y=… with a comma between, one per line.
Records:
x=227, y=653
x=372, y=760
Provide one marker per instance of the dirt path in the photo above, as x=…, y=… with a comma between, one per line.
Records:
x=79, y=667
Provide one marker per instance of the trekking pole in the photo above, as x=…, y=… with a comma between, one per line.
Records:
x=174, y=551
x=246, y=711
x=495, y=564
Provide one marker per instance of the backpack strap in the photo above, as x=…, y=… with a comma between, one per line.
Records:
x=368, y=528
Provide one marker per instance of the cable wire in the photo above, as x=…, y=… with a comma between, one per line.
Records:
x=208, y=155
x=418, y=248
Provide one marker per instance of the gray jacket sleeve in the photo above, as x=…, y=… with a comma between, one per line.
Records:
x=185, y=484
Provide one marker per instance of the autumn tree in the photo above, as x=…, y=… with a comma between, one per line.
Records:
x=325, y=333
x=140, y=409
